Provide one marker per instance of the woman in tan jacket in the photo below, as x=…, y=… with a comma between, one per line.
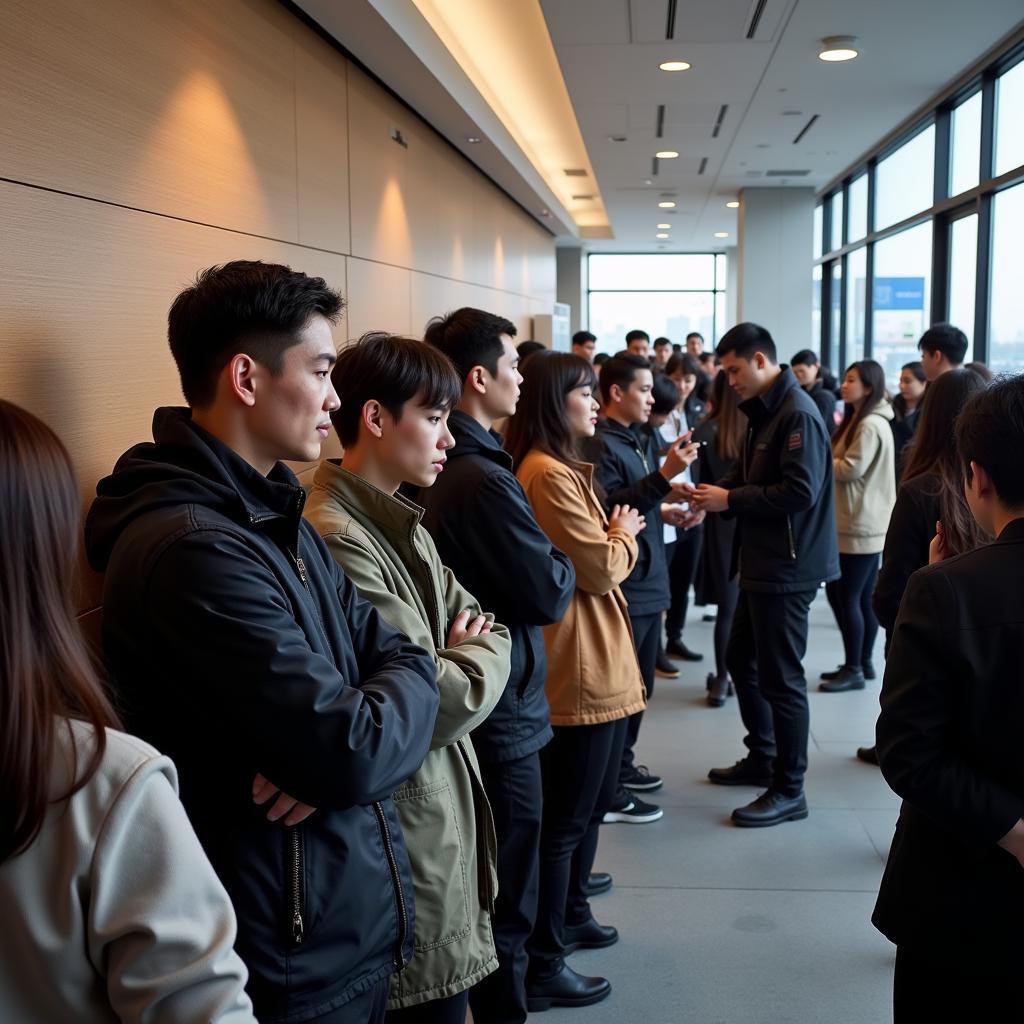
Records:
x=593, y=681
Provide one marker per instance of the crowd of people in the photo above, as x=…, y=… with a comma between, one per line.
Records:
x=398, y=704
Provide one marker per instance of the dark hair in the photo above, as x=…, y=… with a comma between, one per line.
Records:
x=665, y=395
x=391, y=370
x=601, y=358
x=685, y=362
x=46, y=673
x=805, y=357
x=947, y=339
x=872, y=376
x=470, y=337
x=662, y=341
x=917, y=369
x=981, y=370
x=732, y=424
x=583, y=337
x=527, y=348
x=990, y=432
x=744, y=340
x=707, y=357
x=244, y=306
x=899, y=403
x=621, y=369
x=695, y=334
x=539, y=420
x=933, y=450
x=637, y=335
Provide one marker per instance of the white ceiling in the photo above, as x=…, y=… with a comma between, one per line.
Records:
x=773, y=84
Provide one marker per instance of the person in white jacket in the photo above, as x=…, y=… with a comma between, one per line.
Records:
x=111, y=911
x=863, y=463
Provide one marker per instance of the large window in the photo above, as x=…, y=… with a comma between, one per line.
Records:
x=667, y=295
x=856, y=309
x=1009, y=112
x=905, y=180
x=963, y=271
x=965, y=154
x=857, y=218
x=1006, y=345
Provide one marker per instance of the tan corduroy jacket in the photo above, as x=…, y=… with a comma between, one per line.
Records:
x=593, y=674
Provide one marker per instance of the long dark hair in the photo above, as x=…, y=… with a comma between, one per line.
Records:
x=732, y=424
x=46, y=674
x=933, y=451
x=899, y=403
x=871, y=376
x=539, y=421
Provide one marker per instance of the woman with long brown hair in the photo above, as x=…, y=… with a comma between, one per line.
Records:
x=111, y=911
x=593, y=681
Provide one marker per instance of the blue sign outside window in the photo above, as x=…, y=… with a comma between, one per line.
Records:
x=899, y=293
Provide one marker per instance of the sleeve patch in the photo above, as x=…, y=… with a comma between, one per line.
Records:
x=795, y=441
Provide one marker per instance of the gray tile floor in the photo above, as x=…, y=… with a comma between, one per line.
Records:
x=721, y=925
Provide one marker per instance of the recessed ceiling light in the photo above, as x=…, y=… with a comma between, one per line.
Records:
x=733, y=204
x=721, y=234
x=664, y=227
x=472, y=138
x=647, y=181
x=667, y=204
x=674, y=65
x=835, y=49
x=666, y=154
x=661, y=234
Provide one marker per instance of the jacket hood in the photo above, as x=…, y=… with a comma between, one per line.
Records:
x=884, y=410
x=184, y=465
x=473, y=439
x=616, y=429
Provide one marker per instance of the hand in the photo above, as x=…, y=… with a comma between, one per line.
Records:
x=681, y=453
x=675, y=515
x=627, y=519
x=464, y=629
x=693, y=518
x=708, y=498
x=296, y=811
x=937, y=550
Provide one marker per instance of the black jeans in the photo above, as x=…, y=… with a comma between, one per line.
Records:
x=765, y=658
x=723, y=625
x=850, y=597
x=514, y=789
x=577, y=768
x=682, y=571
x=438, y=1011
x=930, y=989
x=647, y=637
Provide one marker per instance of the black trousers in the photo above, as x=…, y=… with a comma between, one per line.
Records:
x=438, y=1011
x=765, y=658
x=683, y=560
x=578, y=769
x=647, y=637
x=514, y=789
x=850, y=597
x=723, y=624
x=926, y=989
x=367, y=1008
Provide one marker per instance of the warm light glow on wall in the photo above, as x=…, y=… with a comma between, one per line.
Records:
x=393, y=222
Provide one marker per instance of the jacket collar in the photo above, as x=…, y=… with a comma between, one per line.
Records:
x=764, y=405
x=392, y=513
x=1013, y=532
x=472, y=439
x=627, y=434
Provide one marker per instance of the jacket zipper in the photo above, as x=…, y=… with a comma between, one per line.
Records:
x=403, y=913
x=295, y=845
x=792, y=541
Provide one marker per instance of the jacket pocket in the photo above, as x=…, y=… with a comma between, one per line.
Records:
x=440, y=883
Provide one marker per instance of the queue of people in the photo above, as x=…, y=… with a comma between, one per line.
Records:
x=358, y=742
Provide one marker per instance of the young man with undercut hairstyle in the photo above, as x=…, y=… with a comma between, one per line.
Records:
x=943, y=348
x=486, y=533
x=291, y=708
x=638, y=343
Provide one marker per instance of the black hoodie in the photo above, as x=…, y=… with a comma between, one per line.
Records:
x=238, y=646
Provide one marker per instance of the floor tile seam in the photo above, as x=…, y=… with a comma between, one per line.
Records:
x=734, y=888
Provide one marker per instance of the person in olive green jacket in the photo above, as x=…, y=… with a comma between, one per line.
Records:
x=395, y=395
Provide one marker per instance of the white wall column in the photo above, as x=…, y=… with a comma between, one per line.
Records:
x=571, y=284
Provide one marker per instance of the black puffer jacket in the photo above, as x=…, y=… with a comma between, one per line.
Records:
x=238, y=646
x=486, y=533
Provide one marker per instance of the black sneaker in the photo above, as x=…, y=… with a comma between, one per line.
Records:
x=665, y=667
x=636, y=812
x=677, y=649
x=637, y=777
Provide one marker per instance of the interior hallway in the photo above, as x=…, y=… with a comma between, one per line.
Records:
x=720, y=925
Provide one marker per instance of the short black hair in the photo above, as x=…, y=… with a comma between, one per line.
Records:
x=658, y=342
x=990, y=432
x=601, y=358
x=583, y=337
x=242, y=306
x=527, y=348
x=707, y=357
x=621, y=369
x=470, y=337
x=391, y=370
x=695, y=334
x=805, y=357
x=683, y=361
x=665, y=394
x=744, y=340
x=947, y=339
x=637, y=335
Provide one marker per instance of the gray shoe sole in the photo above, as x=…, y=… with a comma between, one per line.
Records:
x=767, y=823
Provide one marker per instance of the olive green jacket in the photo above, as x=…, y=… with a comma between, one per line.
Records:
x=377, y=539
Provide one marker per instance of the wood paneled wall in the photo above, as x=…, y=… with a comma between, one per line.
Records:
x=142, y=140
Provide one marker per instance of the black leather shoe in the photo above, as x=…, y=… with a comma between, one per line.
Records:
x=847, y=679
x=742, y=773
x=831, y=675
x=770, y=808
x=677, y=649
x=719, y=687
x=566, y=988
x=869, y=755
x=589, y=935
x=665, y=667
x=869, y=670
x=597, y=883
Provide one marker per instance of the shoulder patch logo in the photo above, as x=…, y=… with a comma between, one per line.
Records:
x=796, y=441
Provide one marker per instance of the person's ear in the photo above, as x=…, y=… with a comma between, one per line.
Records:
x=982, y=481
x=477, y=379
x=615, y=393
x=372, y=418
x=240, y=376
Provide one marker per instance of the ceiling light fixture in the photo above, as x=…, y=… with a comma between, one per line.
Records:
x=472, y=138
x=674, y=65
x=666, y=154
x=664, y=227
x=667, y=204
x=835, y=49
x=733, y=204
x=661, y=235
x=721, y=234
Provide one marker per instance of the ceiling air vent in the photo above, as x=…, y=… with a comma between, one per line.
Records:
x=806, y=128
x=786, y=174
x=722, y=111
x=755, y=18
x=659, y=121
x=575, y=172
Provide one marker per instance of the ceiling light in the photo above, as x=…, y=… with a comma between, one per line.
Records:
x=472, y=138
x=664, y=227
x=667, y=204
x=674, y=65
x=838, y=48
x=661, y=235
x=721, y=234
x=733, y=204
x=666, y=154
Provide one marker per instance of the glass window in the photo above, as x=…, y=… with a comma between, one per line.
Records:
x=816, y=310
x=721, y=271
x=1009, y=104
x=720, y=318
x=964, y=159
x=963, y=265
x=669, y=314
x=817, y=231
x=836, y=303
x=1006, y=312
x=857, y=214
x=653, y=272
x=901, y=293
x=905, y=181
x=837, y=221
x=856, y=283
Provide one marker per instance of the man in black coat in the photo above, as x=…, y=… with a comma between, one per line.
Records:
x=486, y=533
x=786, y=546
x=807, y=370
x=240, y=649
x=950, y=743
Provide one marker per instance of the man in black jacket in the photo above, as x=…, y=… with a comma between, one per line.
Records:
x=782, y=493
x=486, y=533
x=240, y=649
x=949, y=743
x=807, y=370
